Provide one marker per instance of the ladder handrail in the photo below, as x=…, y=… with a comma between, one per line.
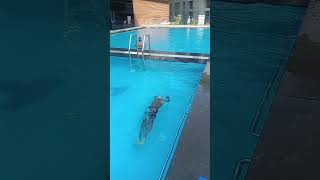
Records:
x=143, y=44
x=130, y=41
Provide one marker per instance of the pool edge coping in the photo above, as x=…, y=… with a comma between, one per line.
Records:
x=125, y=29
x=158, y=26
x=163, y=57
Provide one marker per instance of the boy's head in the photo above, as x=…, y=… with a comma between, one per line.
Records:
x=158, y=97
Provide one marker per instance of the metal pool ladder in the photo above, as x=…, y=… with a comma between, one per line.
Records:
x=130, y=41
x=143, y=45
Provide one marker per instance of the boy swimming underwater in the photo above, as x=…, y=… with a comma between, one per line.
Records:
x=149, y=116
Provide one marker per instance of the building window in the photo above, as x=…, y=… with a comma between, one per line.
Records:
x=184, y=5
x=190, y=4
x=191, y=14
x=208, y=3
x=177, y=6
x=170, y=6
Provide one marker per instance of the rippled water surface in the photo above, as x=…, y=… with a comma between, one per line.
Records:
x=192, y=40
x=132, y=91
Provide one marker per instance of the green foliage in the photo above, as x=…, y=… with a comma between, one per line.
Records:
x=193, y=22
x=177, y=20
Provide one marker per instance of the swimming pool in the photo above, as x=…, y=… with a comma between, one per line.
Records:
x=173, y=40
x=132, y=90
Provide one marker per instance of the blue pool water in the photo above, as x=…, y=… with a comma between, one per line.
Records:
x=132, y=90
x=192, y=40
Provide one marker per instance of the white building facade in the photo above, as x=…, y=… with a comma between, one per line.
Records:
x=189, y=8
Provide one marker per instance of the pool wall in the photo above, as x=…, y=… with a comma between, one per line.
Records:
x=156, y=55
